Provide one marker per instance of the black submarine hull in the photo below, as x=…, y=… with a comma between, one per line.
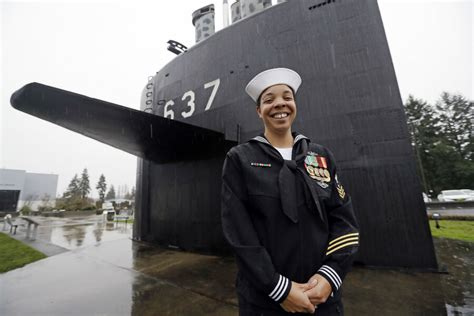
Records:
x=349, y=101
x=195, y=109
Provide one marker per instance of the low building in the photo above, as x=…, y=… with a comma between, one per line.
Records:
x=19, y=188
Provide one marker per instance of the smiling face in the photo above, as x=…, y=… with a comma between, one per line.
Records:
x=277, y=109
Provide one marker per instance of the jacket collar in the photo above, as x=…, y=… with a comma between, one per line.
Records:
x=287, y=174
x=296, y=138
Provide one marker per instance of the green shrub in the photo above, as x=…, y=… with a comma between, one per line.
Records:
x=26, y=210
x=75, y=203
x=42, y=209
x=98, y=204
x=89, y=208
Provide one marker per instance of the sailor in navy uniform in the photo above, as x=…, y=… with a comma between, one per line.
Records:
x=284, y=211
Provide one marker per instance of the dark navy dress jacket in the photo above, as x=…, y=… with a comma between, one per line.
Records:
x=286, y=219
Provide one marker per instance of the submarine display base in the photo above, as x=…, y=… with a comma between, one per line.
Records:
x=124, y=277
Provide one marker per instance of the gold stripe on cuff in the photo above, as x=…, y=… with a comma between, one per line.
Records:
x=343, y=241
x=342, y=246
x=343, y=236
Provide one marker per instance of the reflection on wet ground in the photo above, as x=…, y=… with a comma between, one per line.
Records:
x=106, y=273
x=74, y=232
x=458, y=259
x=390, y=292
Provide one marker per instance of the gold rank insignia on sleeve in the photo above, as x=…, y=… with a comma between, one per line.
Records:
x=340, y=188
x=342, y=242
x=341, y=192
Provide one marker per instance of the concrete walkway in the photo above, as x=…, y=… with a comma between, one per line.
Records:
x=106, y=274
x=116, y=278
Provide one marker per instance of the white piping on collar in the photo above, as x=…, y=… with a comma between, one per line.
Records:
x=298, y=138
x=261, y=139
x=264, y=140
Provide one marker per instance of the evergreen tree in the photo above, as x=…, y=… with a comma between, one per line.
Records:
x=125, y=191
x=442, y=140
x=132, y=194
x=101, y=187
x=73, y=190
x=456, y=115
x=449, y=169
x=422, y=122
x=118, y=193
x=111, y=193
x=84, y=186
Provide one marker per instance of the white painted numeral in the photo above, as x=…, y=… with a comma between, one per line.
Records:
x=190, y=95
x=169, y=112
x=191, y=104
x=214, y=84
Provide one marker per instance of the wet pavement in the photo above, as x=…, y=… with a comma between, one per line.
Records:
x=101, y=271
x=459, y=212
x=56, y=235
x=390, y=292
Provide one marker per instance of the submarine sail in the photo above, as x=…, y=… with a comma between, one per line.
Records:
x=198, y=109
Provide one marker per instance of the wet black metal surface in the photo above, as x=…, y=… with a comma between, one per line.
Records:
x=138, y=133
x=349, y=101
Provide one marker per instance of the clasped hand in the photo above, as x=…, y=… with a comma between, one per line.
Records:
x=304, y=297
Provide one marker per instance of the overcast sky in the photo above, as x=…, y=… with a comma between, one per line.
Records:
x=107, y=50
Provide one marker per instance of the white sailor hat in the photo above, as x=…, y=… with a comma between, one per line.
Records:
x=272, y=77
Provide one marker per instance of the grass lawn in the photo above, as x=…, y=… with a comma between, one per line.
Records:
x=462, y=230
x=129, y=221
x=15, y=254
